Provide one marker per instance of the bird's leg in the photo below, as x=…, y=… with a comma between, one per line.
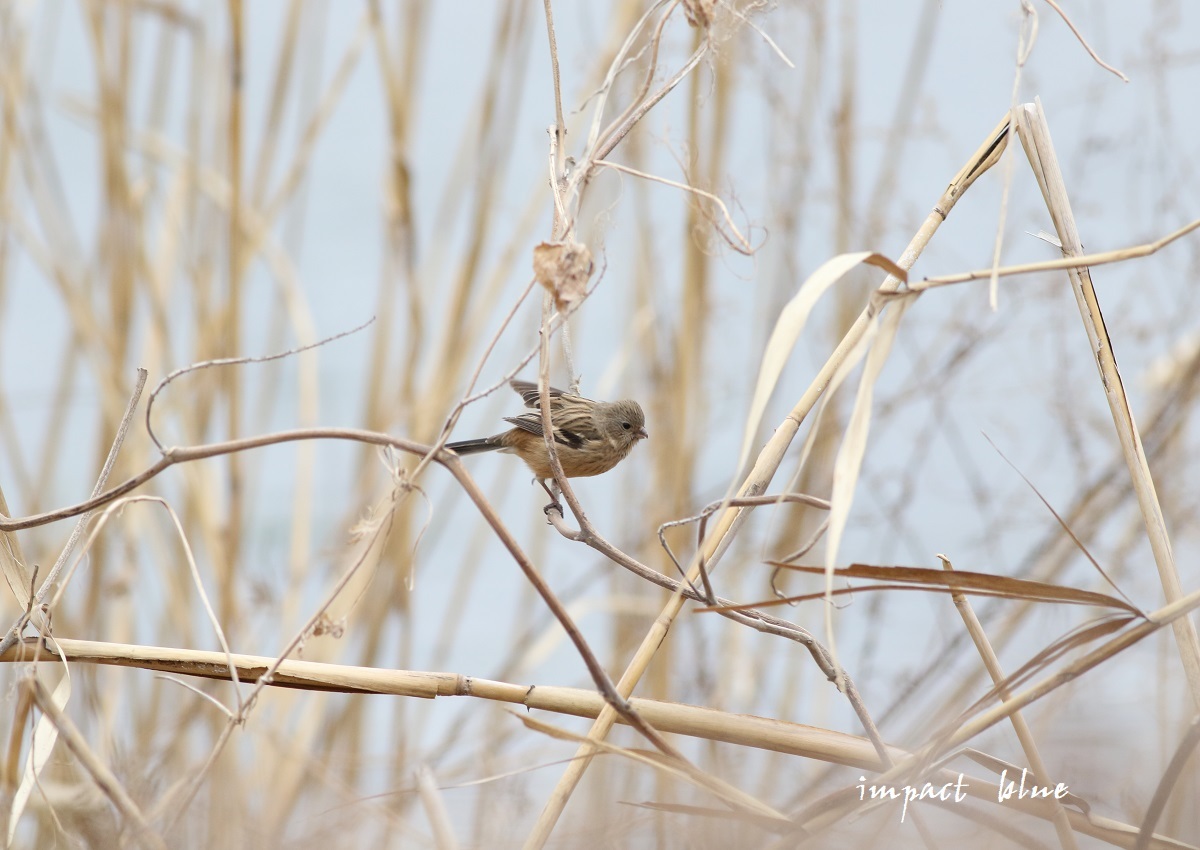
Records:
x=554, y=505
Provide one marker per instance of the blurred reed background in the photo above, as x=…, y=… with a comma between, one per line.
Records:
x=187, y=181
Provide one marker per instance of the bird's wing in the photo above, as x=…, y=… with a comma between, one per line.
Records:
x=528, y=391
x=532, y=422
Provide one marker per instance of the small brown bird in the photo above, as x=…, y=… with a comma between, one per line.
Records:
x=590, y=437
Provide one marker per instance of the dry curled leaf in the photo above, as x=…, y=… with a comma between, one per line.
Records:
x=563, y=268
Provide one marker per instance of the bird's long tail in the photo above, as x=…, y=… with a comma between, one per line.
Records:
x=470, y=447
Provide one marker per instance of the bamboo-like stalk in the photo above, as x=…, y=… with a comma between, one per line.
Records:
x=793, y=739
x=1035, y=136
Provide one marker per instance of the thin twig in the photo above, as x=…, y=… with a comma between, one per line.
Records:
x=738, y=242
x=602, y=138
x=1081, y=261
x=560, y=126
x=1067, y=20
x=235, y=361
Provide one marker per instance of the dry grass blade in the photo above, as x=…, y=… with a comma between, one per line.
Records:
x=42, y=740
x=1044, y=658
x=790, y=325
x=960, y=734
x=1124, y=639
x=1063, y=524
x=731, y=796
x=956, y=735
x=985, y=584
x=848, y=464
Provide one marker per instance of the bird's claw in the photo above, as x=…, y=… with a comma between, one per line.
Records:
x=553, y=506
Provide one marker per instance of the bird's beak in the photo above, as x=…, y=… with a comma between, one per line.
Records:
x=642, y=434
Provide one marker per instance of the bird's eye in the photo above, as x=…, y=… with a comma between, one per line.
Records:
x=626, y=425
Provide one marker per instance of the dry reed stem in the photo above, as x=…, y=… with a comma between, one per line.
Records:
x=991, y=662
x=743, y=730
x=230, y=340
x=560, y=126
x=676, y=718
x=1026, y=39
x=1035, y=136
x=12, y=761
x=435, y=810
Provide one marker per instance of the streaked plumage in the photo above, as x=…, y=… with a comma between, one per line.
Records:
x=590, y=437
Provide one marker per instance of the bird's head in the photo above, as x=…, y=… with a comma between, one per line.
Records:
x=622, y=422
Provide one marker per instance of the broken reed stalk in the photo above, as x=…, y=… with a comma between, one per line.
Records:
x=1034, y=133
